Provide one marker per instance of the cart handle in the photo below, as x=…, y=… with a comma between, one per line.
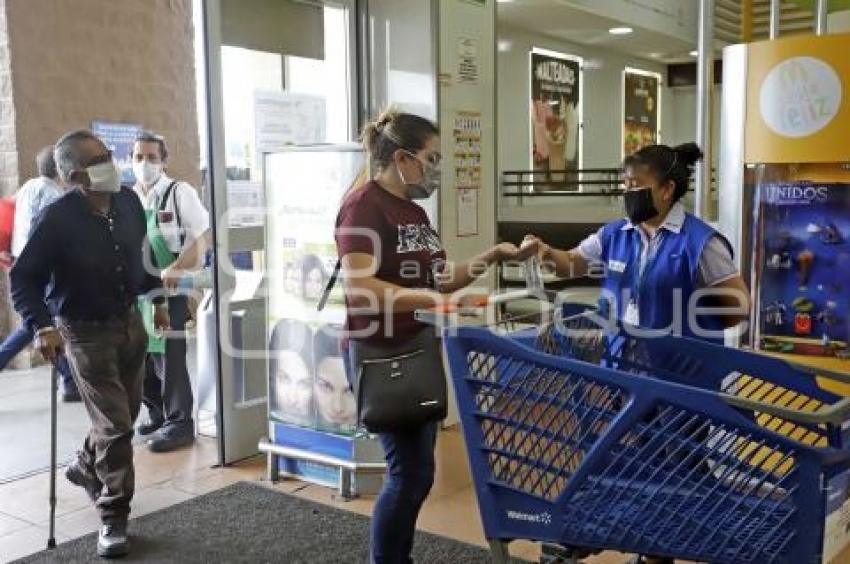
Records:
x=495, y=299
x=836, y=413
x=841, y=377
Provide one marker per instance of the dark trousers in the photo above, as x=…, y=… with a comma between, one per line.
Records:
x=168, y=389
x=410, y=475
x=18, y=340
x=108, y=360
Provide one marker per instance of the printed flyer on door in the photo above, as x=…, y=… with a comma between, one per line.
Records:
x=641, y=100
x=555, y=113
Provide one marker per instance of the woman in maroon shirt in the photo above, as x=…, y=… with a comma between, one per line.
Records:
x=394, y=264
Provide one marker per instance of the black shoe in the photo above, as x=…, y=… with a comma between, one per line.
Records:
x=112, y=540
x=71, y=396
x=149, y=427
x=79, y=477
x=167, y=441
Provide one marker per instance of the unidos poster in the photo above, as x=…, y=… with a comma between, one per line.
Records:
x=641, y=103
x=555, y=116
x=802, y=265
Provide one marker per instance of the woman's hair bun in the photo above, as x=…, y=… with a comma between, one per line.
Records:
x=386, y=117
x=373, y=130
x=688, y=153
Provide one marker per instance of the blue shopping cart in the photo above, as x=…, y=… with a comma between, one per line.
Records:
x=592, y=438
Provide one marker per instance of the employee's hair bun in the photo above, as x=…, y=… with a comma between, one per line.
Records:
x=688, y=153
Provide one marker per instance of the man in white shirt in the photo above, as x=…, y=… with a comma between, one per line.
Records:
x=35, y=195
x=177, y=222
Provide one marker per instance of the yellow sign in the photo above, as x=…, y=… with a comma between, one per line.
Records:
x=798, y=100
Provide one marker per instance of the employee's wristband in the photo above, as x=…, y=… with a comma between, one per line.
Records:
x=159, y=301
x=45, y=330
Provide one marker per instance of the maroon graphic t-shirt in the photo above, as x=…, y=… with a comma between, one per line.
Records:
x=409, y=253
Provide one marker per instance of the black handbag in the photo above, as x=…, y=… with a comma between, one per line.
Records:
x=402, y=386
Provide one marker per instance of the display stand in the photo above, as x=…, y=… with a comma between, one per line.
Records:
x=353, y=465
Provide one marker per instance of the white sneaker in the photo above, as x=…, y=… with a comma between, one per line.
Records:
x=112, y=540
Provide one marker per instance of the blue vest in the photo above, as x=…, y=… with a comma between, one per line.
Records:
x=674, y=265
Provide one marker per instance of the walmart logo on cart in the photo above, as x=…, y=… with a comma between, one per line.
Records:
x=544, y=518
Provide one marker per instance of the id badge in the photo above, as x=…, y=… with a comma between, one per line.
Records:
x=632, y=317
x=165, y=216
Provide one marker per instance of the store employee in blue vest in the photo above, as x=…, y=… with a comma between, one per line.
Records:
x=176, y=223
x=661, y=263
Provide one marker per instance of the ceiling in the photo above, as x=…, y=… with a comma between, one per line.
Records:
x=559, y=20
x=575, y=22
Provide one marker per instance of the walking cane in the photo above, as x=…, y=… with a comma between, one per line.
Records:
x=54, y=390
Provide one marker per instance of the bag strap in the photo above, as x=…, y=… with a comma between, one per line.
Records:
x=330, y=286
x=162, y=203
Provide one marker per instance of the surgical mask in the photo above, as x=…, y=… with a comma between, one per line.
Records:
x=639, y=206
x=147, y=172
x=104, y=177
x=431, y=178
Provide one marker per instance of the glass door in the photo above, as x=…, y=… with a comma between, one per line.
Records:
x=276, y=75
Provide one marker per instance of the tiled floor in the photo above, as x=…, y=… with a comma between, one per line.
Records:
x=25, y=412
x=166, y=479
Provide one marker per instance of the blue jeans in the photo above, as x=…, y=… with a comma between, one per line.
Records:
x=18, y=341
x=410, y=475
x=14, y=343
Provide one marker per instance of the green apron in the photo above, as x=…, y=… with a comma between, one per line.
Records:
x=163, y=258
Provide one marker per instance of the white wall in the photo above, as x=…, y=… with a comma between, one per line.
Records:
x=465, y=19
x=603, y=111
x=683, y=105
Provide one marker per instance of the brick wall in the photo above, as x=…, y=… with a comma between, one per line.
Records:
x=66, y=63
x=8, y=152
x=75, y=61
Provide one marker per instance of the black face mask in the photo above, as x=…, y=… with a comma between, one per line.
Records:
x=639, y=206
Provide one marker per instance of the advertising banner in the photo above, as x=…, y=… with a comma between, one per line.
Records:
x=304, y=188
x=797, y=110
x=641, y=101
x=555, y=114
x=802, y=263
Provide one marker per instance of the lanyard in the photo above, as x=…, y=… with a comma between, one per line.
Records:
x=642, y=267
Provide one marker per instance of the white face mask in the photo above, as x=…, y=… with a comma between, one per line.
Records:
x=104, y=177
x=147, y=172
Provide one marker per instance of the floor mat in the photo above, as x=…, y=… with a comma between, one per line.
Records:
x=247, y=522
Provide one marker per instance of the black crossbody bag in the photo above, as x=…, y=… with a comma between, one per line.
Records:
x=397, y=387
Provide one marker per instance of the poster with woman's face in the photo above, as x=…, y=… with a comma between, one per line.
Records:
x=291, y=373
x=555, y=110
x=641, y=93
x=308, y=381
x=336, y=408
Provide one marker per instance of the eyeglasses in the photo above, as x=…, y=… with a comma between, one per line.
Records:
x=100, y=159
x=434, y=158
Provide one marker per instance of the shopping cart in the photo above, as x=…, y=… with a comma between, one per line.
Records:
x=585, y=436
